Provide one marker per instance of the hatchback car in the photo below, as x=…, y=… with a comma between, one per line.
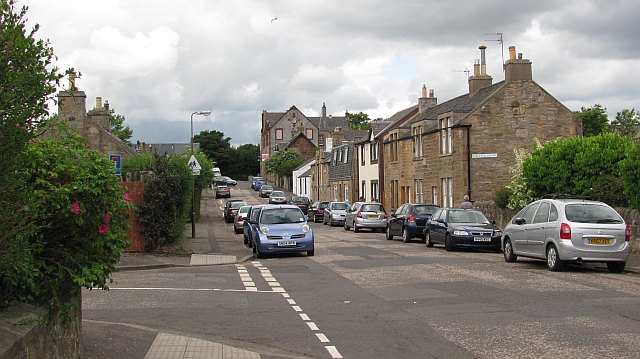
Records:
x=366, y=215
x=249, y=225
x=335, y=213
x=259, y=184
x=265, y=190
x=222, y=190
x=315, y=212
x=254, y=180
x=409, y=221
x=562, y=230
x=230, y=181
x=462, y=228
x=231, y=209
x=302, y=202
x=238, y=221
x=282, y=229
x=277, y=197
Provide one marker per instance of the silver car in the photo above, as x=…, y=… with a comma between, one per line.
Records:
x=369, y=215
x=568, y=230
x=238, y=221
x=277, y=197
x=335, y=213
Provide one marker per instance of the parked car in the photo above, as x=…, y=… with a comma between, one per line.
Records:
x=282, y=229
x=302, y=202
x=562, y=230
x=462, y=228
x=249, y=225
x=231, y=209
x=264, y=190
x=254, y=180
x=259, y=184
x=315, y=213
x=335, y=213
x=229, y=181
x=239, y=219
x=277, y=197
x=409, y=221
x=366, y=215
x=222, y=190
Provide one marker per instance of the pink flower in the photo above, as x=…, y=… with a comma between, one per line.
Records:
x=103, y=229
x=106, y=219
x=75, y=207
x=127, y=197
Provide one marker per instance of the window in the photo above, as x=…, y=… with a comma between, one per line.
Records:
x=335, y=157
x=362, y=153
x=279, y=134
x=542, y=215
x=346, y=193
x=417, y=142
x=446, y=135
x=363, y=191
x=375, y=195
x=309, y=133
x=418, y=195
x=434, y=195
x=447, y=191
x=345, y=157
x=394, y=147
x=373, y=149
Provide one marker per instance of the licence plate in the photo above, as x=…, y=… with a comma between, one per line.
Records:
x=481, y=239
x=286, y=243
x=373, y=216
x=599, y=240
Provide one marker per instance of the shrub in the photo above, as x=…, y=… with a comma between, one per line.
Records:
x=630, y=168
x=501, y=197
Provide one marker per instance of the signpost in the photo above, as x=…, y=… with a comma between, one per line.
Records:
x=117, y=163
x=195, y=170
x=194, y=165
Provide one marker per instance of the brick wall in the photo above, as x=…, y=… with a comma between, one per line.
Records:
x=134, y=233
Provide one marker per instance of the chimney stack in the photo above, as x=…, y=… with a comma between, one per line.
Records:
x=517, y=69
x=480, y=79
x=424, y=102
x=98, y=103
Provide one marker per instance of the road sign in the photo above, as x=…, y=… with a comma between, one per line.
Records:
x=194, y=165
x=117, y=163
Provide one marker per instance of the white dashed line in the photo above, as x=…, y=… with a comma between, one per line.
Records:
x=335, y=354
x=291, y=301
x=312, y=326
x=304, y=317
x=323, y=338
x=296, y=308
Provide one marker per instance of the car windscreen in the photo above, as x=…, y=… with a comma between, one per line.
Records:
x=467, y=217
x=281, y=216
x=340, y=206
x=422, y=210
x=299, y=200
x=372, y=208
x=592, y=213
x=277, y=194
x=237, y=204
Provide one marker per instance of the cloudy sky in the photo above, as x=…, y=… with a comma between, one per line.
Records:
x=157, y=61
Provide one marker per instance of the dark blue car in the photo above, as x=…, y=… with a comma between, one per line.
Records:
x=462, y=228
x=409, y=221
x=249, y=225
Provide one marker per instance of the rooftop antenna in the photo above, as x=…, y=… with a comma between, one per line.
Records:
x=466, y=70
x=498, y=39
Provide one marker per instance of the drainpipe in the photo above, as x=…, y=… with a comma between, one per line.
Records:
x=468, y=127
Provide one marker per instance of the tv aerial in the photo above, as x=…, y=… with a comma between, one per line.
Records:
x=498, y=38
x=466, y=70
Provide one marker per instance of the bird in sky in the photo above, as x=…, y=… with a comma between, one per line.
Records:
x=274, y=19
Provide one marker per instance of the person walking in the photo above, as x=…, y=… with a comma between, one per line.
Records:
x=465, y=203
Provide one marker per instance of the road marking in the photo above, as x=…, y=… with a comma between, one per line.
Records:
x=196, y=289
x=296, y=308
x=312, y=326
x=323, y=338
x=291, y=301
x=335, y=354
x=304, y=317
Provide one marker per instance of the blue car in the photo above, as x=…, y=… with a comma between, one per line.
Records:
x=410, y=220
x=282, y=229
x=259, y=184
x=249, y=225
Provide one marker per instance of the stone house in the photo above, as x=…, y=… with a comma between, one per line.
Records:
x=465, y=145
x=366, y=154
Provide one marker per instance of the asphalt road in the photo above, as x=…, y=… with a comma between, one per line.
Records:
x=362, y=296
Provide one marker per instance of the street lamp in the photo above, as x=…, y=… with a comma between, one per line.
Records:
x=193, y=193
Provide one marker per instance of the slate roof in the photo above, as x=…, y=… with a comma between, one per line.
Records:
x=397, y=117
x=339, y=169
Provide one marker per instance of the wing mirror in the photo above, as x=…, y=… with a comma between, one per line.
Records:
x=520, y=221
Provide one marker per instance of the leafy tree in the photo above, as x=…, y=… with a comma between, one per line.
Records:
x=282, y=163
x=594, y=120
x=358, y=121
x=119, y=129
x=630, y=168
x=246, y=161
x=27, y=82
x=587, y=166
x=216, y=146
x=626, y=123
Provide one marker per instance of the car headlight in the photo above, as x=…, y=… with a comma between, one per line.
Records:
x=306, y=228
x=459, y=232
x=264, y=230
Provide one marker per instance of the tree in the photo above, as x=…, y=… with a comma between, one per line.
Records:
x=358, y=121
x=594, y=120
x=626, y=123
x=27, y=82
x=246, y=161
x=283, y=163
x=118, y=129
x=216, y=147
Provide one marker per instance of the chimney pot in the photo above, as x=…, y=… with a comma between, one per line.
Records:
x=512, y=53
x=431, y=93
x=98, y=103
x=106, y=105
x=424, y=90
x=520, y=56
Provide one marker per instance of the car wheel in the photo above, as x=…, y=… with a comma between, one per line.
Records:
x=508, y=252
x=256, y=250
x=237, y=231
x=616, y=267
x=389, y=236
x=311, y=253
x=246, y=240
x=406, y=238
x=554, y=263
x=448, y=245
x=355, y=228
x=346, y=227
x=427, y=239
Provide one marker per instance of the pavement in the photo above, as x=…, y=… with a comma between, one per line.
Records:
x=213, y=244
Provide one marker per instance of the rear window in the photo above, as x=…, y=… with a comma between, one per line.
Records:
x=372, y=208
x=425, y=209
x=340, y=206
x=299, y=200
x=592, y=213
x=236, y=204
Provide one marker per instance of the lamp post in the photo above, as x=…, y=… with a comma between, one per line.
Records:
x=193, y=193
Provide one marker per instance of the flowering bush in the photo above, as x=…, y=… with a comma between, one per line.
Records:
x=80, y=210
